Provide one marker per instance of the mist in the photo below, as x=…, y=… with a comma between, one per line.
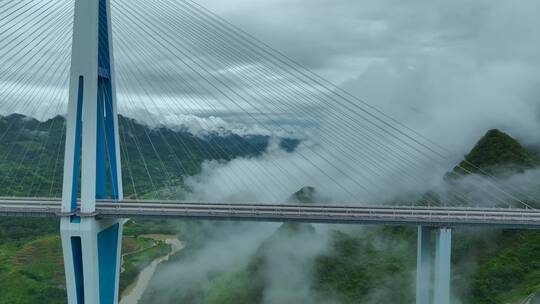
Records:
x=450, y=71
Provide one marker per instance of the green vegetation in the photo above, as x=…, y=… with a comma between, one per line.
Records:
x=138, y=259
x=358, y=269
x=31, y=265
x=355, y=270
x=154, y=160
x=31, y=261
x=237, y=287
x=511, y=271
x=509, y=266
x=496, y=153
x=139, y=227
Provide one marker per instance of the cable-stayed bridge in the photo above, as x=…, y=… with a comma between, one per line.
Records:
x=173, y=58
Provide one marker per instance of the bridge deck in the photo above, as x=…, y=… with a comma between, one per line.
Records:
x=386, y=215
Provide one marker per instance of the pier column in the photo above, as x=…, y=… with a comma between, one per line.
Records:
x=424, y=260
x=443, y=250
x=433, y=265
x=92, y=255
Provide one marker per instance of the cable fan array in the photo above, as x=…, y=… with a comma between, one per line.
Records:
x=176, y=60
x=35, y=43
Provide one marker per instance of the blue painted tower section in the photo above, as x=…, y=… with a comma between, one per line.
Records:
x=107, y=258
x=77, y=148
x=105, y=146
x=76, y=246
x=111, y=150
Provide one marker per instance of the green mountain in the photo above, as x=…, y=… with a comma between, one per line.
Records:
x=507, y=265
x=496, y=153
x=306, y=195
x=31, y=154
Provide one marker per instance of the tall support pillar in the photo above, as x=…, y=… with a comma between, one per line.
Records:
x=433, y=265
x=424, y=266
x=443, y=248
x=92, y=257
x=92, y=168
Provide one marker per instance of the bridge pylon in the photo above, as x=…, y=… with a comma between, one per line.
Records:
x=433, y=271
x=92, y=169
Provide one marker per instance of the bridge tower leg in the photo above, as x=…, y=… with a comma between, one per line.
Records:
x=433, y=273
x=424, y=267
x=92, y=168
x=443, y=248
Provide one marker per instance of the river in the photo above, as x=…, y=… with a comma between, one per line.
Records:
x=135, y=291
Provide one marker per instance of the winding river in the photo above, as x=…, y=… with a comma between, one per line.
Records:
x=135, y=291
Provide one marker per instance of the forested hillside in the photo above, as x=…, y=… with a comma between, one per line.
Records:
x=31, y=154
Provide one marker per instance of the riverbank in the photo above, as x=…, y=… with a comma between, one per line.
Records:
x=134, y=291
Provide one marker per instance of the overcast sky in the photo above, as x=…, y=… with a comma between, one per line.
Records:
x=469, y=64
x=447, y=68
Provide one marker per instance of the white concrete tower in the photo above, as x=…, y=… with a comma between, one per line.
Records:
x=433, y=273
x=92, y=168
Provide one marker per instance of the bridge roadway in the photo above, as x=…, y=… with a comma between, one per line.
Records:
x=385, y=215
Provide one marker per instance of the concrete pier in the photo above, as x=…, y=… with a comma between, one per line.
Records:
x=433, y=265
